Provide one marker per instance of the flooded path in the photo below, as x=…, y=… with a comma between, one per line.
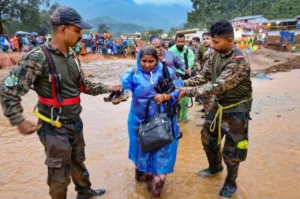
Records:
x=271, y=171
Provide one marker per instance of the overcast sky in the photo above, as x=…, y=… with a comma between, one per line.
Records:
x=164, y=2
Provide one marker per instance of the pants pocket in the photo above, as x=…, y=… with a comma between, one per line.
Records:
x=52, y=162
x=240, y=154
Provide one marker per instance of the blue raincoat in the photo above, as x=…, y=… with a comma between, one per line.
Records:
x=142, y=85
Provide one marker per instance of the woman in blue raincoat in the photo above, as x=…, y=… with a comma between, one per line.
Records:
x=141, y=80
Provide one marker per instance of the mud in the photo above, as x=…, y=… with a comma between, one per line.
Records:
x=270, y=171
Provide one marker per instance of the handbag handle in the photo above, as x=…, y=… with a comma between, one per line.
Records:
x=158, y=110
x=147, y=107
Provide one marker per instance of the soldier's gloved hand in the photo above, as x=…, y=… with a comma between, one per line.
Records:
x=115, y=88
x=27, y=128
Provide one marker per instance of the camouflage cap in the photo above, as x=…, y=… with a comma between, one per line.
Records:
x=68, y=16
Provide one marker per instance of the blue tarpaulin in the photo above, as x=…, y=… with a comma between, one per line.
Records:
x=287, y=36
x=263, y=76
x=298, y=25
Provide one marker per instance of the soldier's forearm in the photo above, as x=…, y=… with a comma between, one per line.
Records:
x=12, y=109
x=190, y=92
x=194, y=81
x=15, y=120
x=95, y=88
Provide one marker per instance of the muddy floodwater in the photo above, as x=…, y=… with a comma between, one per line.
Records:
x=271, y=170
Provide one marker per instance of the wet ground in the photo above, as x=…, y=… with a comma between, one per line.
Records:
x=270, y=171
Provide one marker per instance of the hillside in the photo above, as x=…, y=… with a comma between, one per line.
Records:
x=117, y=28
x=146, y=15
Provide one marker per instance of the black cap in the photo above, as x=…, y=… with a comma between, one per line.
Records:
x=68, y=16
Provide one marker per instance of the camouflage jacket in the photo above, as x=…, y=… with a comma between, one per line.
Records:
x=225, y=76
x=32, y=69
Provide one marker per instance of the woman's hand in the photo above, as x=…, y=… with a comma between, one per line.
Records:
x=115, y=87
x=160, y=98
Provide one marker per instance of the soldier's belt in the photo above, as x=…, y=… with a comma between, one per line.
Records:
x=219, y=114
x=65, y=102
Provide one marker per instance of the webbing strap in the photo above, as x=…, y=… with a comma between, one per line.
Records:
x=219, y=114
x=55, y=80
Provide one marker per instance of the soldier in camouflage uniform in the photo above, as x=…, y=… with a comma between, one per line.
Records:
x=207, y=100
x=226, y=75
x=64, y=146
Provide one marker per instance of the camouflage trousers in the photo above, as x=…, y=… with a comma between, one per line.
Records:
x=207, y=103
x=235, y=130
x=64, y=149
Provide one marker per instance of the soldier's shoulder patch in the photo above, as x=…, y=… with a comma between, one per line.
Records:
x=11, y=81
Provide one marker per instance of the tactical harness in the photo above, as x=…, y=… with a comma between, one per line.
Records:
x=56, y=101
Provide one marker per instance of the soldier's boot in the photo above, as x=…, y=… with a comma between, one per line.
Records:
x=215, y=164
x=90, y=193
x=110, y=97
x=229, y=187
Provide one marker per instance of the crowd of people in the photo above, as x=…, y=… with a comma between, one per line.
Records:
x=99, y=44
x=20, y=42
x=165, y=77
x=107, y=46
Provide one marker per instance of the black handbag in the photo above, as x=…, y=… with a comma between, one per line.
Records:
x=155, y=133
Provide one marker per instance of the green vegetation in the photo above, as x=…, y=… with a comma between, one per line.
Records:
x=23, y=15
x=207, y=12
x=107, y=24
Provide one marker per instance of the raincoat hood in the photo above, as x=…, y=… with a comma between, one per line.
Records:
x=138, y=59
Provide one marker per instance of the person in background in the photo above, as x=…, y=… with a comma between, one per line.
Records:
x=132, y=50
x=187, y=56
x=167, y=57
x=77, y=48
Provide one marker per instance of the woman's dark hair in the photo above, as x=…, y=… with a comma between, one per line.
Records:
x=148, y=50
x=222, y=28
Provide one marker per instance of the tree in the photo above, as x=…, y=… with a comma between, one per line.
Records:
x=172, y=32
x=207, y=12
x=44, y=25
x=102, y=28
x=21, y=10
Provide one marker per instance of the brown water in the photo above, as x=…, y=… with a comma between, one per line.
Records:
x=270, y=171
